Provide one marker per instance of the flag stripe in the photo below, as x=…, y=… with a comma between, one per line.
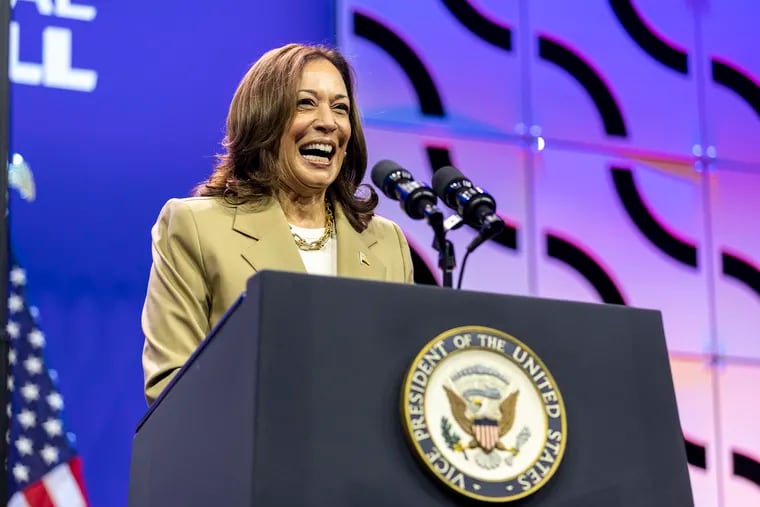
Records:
x=76, y=470
x=18, y=500
x=62, y=487
x=37, y=495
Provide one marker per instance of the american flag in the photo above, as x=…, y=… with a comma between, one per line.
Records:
x=43, y=466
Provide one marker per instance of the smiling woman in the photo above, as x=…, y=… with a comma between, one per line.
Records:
x=315, y=143
x=283, y=196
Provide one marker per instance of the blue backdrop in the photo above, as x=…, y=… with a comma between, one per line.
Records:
x=104, y=161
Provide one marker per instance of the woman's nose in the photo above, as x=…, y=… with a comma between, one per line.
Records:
x=325, y=119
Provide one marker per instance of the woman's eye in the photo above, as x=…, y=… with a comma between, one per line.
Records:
x=343, y=107
x=305, y=102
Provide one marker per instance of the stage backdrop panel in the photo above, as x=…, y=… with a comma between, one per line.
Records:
x=599, y=86
x=739, y=414
x=731, y=78
x=734, y=195
x=695, y=394
x=617, y=231
x=420, y=64
x=500, y=267
x=634, y=122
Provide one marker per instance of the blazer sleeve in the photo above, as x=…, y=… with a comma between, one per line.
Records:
x=175, y=316
x=406, y=255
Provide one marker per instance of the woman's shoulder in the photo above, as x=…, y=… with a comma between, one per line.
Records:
x=198, y=213
x=381, y=225
x=198, y=206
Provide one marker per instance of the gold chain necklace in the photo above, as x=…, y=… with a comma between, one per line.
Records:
x=317, y=244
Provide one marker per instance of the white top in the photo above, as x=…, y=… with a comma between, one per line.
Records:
x=318, y=262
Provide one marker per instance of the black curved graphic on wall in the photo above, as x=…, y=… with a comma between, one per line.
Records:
x=696, y=454
x=741, y=270
x=746, y=467
x=564, y=251
x=679, y=250
x=586, y=76
x=422, y=273
x=507, y=237
x=440, y=157
x=383, y=37
x=648, y=41
x=736, y=81
x=491, y=32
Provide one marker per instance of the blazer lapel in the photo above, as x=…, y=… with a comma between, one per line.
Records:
x=356, y=258
x=273, y=246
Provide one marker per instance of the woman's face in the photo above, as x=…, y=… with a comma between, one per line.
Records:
x=315, y=142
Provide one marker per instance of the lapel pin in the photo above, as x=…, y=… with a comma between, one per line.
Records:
x=363, y=259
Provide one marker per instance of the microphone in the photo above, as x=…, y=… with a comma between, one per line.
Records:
x=417, y=199
x=476, y=207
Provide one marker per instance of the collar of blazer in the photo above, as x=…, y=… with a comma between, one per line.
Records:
x=273, y=246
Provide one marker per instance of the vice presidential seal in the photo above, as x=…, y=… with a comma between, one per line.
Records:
x=484, y=414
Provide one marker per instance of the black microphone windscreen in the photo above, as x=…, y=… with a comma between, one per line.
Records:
x=381, y=170
x=443, y=177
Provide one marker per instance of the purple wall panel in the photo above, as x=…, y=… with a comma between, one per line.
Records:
x=492, y=267
x=578, y=202
x=736, y=249
x=732, y=78
x=657, y=104
x=478, y=84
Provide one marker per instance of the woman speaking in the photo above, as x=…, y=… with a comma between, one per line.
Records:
x=283, y=196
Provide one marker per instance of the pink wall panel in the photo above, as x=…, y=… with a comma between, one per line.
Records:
x=693, y=380
x=739, y=415
x=576, y=200
x=735, y=214
x=498, y=168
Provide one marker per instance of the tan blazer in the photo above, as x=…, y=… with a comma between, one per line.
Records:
x=204, y=251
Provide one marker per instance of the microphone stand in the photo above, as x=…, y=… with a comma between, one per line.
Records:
x=444, y=247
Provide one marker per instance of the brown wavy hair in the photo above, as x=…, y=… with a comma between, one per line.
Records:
x=262, y=108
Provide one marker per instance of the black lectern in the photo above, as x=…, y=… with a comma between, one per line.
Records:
x=293, y=400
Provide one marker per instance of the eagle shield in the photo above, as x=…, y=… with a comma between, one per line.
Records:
x=480, y=408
